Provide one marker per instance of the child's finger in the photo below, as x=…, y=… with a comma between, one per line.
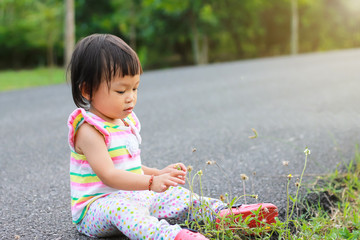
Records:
x=177, y=180
x=181, y=177
x=170, y=183
x=164, y=188
x=180, y=167
x=177, y=173
x=183, y=167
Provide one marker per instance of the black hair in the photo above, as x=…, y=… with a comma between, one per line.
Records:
x=97, y=58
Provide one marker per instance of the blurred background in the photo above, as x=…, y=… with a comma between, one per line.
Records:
x=167, y=33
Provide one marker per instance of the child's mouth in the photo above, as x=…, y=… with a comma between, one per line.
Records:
x=129, y=110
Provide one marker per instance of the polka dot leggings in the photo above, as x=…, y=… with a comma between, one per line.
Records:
x=136, y=214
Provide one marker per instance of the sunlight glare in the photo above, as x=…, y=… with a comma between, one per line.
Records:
x=354, y=5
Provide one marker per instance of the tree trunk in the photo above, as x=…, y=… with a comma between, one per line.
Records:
x=69, y=31
x=195, y=40
x=294, y=27
x=199, y=42
x=204, y=50
x=132, y=26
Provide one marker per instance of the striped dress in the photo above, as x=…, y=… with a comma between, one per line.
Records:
x=123, y=147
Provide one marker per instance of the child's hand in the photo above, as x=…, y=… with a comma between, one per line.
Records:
x=178, y=169
x=172, y=167
x=162, y=182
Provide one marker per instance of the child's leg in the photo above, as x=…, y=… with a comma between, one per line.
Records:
x=126, y=212
x=180, y=204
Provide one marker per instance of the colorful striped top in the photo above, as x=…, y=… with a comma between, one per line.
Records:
x=123, y=146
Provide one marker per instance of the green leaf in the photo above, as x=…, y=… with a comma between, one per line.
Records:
x=292, y=199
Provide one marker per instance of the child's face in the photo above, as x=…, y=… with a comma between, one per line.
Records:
x=117, y=102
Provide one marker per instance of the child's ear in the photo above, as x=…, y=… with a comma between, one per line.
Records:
x=84, y=93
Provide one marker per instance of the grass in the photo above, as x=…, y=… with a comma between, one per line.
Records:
x=12, y=79
x=341, y=220
x=335, y=214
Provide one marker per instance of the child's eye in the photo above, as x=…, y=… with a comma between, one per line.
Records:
x=120, y=92
x=135, y=89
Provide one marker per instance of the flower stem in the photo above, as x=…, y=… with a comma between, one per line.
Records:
x=297, y=191
x=244, y=191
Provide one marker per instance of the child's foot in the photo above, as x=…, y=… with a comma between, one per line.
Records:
x=187, y=234
x=267, y=213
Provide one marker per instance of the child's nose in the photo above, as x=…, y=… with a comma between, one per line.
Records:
x=130, y=97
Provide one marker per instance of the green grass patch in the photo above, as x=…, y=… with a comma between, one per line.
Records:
x=12, y=79
x=329, y=210
x=341, y=218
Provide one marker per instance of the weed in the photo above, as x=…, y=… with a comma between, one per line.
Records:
x=315, y=220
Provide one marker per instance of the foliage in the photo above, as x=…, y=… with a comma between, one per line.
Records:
x=29, y=32
x=169, y=33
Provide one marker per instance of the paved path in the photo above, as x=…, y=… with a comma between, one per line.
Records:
x=310, y=100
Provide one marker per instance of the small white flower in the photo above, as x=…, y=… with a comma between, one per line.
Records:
x=211, y=162
x=307, y=151
x=285, y=163
x=244, y=177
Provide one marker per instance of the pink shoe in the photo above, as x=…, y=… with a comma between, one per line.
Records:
x=267, y=213
x=186, y=234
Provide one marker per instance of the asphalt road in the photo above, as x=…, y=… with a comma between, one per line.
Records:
x=293, y=102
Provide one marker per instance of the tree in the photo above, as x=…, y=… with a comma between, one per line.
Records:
x=294, y=27
x=69, y=31
x=167, y=33
x=45, y=17
x=196, y=18
x=29, y=29
x=240, y=31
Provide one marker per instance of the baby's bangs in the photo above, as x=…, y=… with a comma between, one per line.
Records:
x=119, y=60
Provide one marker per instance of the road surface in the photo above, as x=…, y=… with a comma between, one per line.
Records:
x=309, y=100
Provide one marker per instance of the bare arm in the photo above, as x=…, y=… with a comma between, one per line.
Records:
x=171, y=169
x=91, y=143
x=150, y=171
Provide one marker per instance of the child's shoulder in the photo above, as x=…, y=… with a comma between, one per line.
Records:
x=87, y=136
x=81, y=122
x=80, y=116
